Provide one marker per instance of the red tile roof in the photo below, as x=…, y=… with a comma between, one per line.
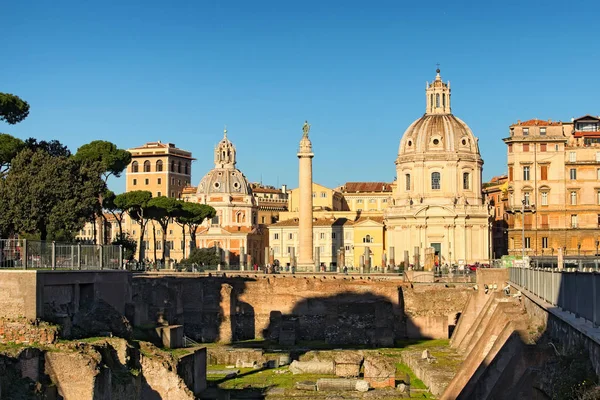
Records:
x=537, y=122
x=378, y=187
x=316, y=222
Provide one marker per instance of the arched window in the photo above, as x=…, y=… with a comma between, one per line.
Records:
x=466, y=180
x=407, y=178
x=444, y=100
x=187, y=168
x=134, y=166
x=146, y=166
x=368, y=239
x=159, y=166
x=172, y=166
x=435, y=180
x=437, y=100
x=431, y=100
x=179, y=166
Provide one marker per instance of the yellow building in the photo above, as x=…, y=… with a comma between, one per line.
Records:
x=323, y=199
x=369, y=242
x=553, y=173
x=366, y=197
x=160, y=168
x=271, y=201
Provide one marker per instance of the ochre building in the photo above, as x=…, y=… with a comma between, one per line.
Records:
x=554, y=187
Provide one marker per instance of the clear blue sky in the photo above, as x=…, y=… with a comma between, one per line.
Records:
x=137, y=71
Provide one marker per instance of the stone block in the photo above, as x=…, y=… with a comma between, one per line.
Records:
x=347, y=364
x=327, y=384
x=306, y=385
x=380, y=372
x=312, y=367
x=171, y=336
x=419, y=276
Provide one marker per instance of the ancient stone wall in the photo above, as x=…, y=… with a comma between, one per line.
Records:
x=21, y=330
x=334, y=309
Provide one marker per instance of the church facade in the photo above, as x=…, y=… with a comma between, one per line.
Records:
x=437, y=203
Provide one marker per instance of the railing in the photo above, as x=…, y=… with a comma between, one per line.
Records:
x=574, y=291
x=36, y=254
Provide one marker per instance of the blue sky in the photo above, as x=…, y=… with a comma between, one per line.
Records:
x=137, y=71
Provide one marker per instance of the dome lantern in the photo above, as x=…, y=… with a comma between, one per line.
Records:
x=437, y=96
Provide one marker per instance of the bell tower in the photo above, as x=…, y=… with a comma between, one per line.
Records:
x=225, y=153
x=437, y=95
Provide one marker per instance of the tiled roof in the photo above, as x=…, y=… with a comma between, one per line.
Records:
x=377, y=187
x=265, y=190
x=537, y=122
x=317, y=222
x=376, y=219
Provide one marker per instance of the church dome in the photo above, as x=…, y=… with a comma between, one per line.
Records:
x=438, y=130
x=225, y=178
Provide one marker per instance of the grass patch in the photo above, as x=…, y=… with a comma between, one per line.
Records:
x=261, y=379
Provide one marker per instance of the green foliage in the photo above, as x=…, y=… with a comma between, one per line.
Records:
x=203, y=256
x=12, y=108
x=163, y=209
x=193, y=215
x=113, y=160
x=129, y=245
x=9, y=148
x=50, y=196
x=54, y=148
x=571, y=376
x=135, y=204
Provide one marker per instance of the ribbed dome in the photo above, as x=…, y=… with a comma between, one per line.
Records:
x=224, y=180
x=435, y=133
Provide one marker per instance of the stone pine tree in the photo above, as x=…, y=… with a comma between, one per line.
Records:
x=163, y=209
x=112, y=162
x=12, y=108
x=192, y=215
x=136, y=205
x=48, y=196
x=9, y=148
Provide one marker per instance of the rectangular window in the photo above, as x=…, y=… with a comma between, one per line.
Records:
x=322, y=249
x=542, y=147
x=573, y=174
x=573, y=198
x=276, y=249
x=371, y=200
x=359, y=201
x=135, y=181
x=407, y=181
x=465, y=180
x=146, y=181
x=384, y=200
x=525, y=131
x=172, y=181
x=322, y=235
x=555, y=147
x=525, y=173
x=544, y=172
x=598, y=156
x=289, y=250
x=276, y=236
x=573, y=220
x=598, y=197
x=542, y=131
x=314, y=195
x=159, y=180
x=527, y=242
x=333, y=235
x=510, y=147
x=598, y=174
x=347, y=248
x=347, y=236
x=262, y=219
x=525, y=147
x=158, y=194
x=545, y=221
x=526, y=197
x=323, y=194
x=544, y=242
x=435, y=180
x=572, y=156
x=290, y=236
x=598, y=221
x=172, y=194
x=544, y=198
x=510, y=174
x=158, y=245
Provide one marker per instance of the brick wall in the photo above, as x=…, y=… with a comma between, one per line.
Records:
x=24, y=331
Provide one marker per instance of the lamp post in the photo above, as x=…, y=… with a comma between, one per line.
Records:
x=523, y=230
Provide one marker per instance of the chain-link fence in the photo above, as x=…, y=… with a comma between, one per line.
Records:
x=36, y=254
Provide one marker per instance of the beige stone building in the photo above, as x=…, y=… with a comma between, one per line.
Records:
x=324, y=198
x=160, y=168
x=553, y=173
x=496, y=194
x=438, y=202
x=371, y=198
x=271, y=202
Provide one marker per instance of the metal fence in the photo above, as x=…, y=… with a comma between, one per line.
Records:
x=36, y=254
x=574, y=291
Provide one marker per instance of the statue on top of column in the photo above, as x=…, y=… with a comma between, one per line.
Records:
x=305, y=129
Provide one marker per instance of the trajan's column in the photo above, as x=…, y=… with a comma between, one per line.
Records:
x=305, y=223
